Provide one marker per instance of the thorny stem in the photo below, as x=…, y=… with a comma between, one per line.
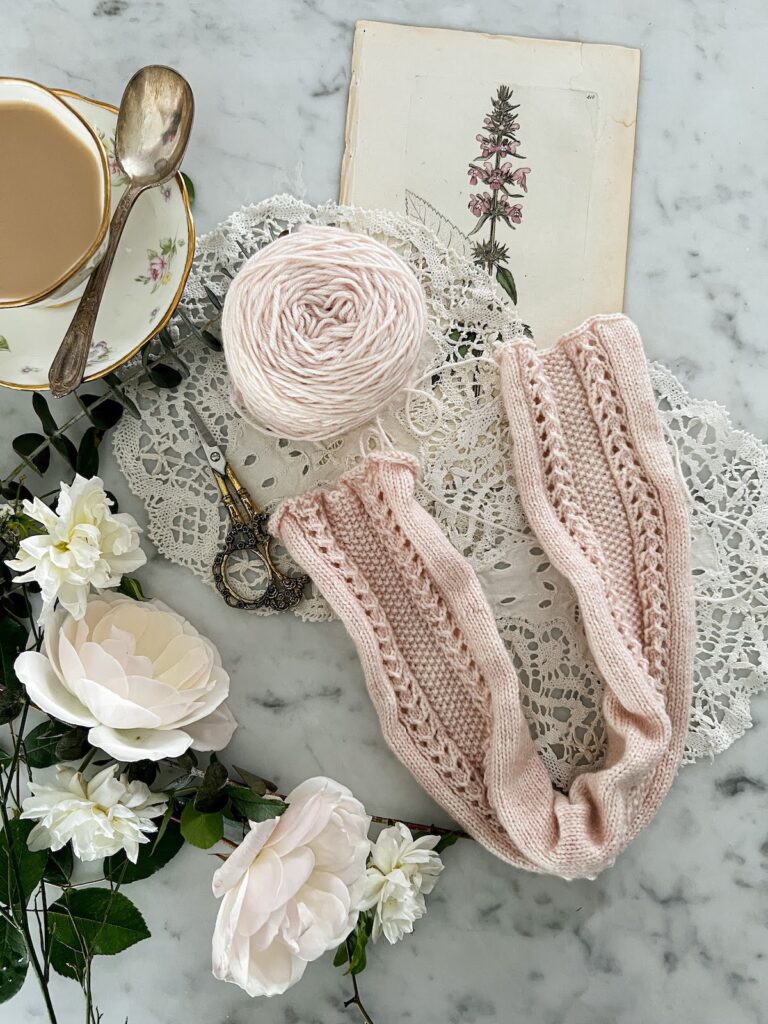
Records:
x=356, y=1000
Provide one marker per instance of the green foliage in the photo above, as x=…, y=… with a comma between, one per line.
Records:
x=26, y=447
x=152, y=856
x=190, y=188
x=252, y=807
x=199, y=829
x=14, y=960
x=60, y=864
x=212, y=796
x=352, y=952
x=91, y=922
x=88, y=452
x=31, y=865
x=13, y=640
x=131, y=588
x=255, y=782
x=51, y=742
x=103, y=412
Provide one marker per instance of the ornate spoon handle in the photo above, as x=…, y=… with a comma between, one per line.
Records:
x=68, y=366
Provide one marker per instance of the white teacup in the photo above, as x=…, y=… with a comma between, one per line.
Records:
x=20, y=90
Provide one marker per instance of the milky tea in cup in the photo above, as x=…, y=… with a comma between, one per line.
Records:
x=54, y=196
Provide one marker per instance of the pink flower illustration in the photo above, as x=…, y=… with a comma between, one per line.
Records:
x=520, y=177
x=496, y=208
x=490, y=147
x=479, y=204
x=158, y=265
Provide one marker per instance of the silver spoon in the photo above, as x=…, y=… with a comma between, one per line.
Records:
x=153, y=128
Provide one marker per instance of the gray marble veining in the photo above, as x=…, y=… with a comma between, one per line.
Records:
x=677, y=931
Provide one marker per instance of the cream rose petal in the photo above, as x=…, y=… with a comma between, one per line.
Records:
x=139, y=744
x=45, y=689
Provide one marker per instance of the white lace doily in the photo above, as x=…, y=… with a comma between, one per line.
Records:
x=457, y=430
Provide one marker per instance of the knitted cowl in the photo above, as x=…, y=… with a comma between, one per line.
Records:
x=601, y=492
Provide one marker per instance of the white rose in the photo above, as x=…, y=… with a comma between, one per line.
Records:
x=99, y=817
x=139, y=676
x=291, y=889
x=84, y=545
x=401, y=872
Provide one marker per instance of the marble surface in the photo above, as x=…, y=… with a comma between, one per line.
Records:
x=676, y=931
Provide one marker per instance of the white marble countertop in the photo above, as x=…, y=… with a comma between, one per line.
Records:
x=676, y=931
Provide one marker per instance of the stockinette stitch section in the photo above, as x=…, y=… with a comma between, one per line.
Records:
x=601, y=492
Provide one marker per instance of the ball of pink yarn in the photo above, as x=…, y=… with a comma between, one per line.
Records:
x=322, y=328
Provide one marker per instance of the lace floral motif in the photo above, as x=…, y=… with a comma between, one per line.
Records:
x=458, y=434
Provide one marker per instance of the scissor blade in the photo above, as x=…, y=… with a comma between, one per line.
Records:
x=214, y=453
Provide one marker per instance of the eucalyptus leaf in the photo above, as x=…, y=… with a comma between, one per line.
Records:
x=73, y=745
x=252, y=806
x=507, y=282
x=152, y=856
x=88, y=452
x=445, y=841
x=190, y=188
x=115, y=386
x=48, y=423
x=102, y=412
x=99, y=922
x=25, y=445
x=201, y=830
x=14, y=960
x=66, y=449
x=164, y=376
x=31, y=864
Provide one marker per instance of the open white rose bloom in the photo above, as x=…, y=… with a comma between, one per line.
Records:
x=402, y=871
x=139, y=676
x=100, y=816
x=85, y=544
x=291, y=889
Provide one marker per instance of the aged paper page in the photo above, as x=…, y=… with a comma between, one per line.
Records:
x=560, y=170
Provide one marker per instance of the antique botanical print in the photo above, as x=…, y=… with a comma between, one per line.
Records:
x=518, y=152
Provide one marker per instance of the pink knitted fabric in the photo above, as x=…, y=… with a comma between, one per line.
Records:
x=601, y=492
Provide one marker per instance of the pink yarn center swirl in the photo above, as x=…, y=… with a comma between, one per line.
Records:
x=322, y=329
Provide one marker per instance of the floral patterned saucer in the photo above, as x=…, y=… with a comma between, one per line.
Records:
x=144, y=287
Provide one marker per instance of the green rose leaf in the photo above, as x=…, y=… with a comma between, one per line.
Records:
x=254, y=807
x=92, y=922
x=445, y=841
x=142, y=771
x=152, y=856
x=131, y=588
x=255, y=782
x=13, y=640
x=14, y=960
x=25, y=444
x=211, y=796
x=48, y=423
x=60, y=864
x=31, y=865
x=199, y=829
x=11, y=704
x=51, y=742
x=88, y=452
x=507, y=282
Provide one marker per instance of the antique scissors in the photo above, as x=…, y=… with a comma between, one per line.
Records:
x=247, y=532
